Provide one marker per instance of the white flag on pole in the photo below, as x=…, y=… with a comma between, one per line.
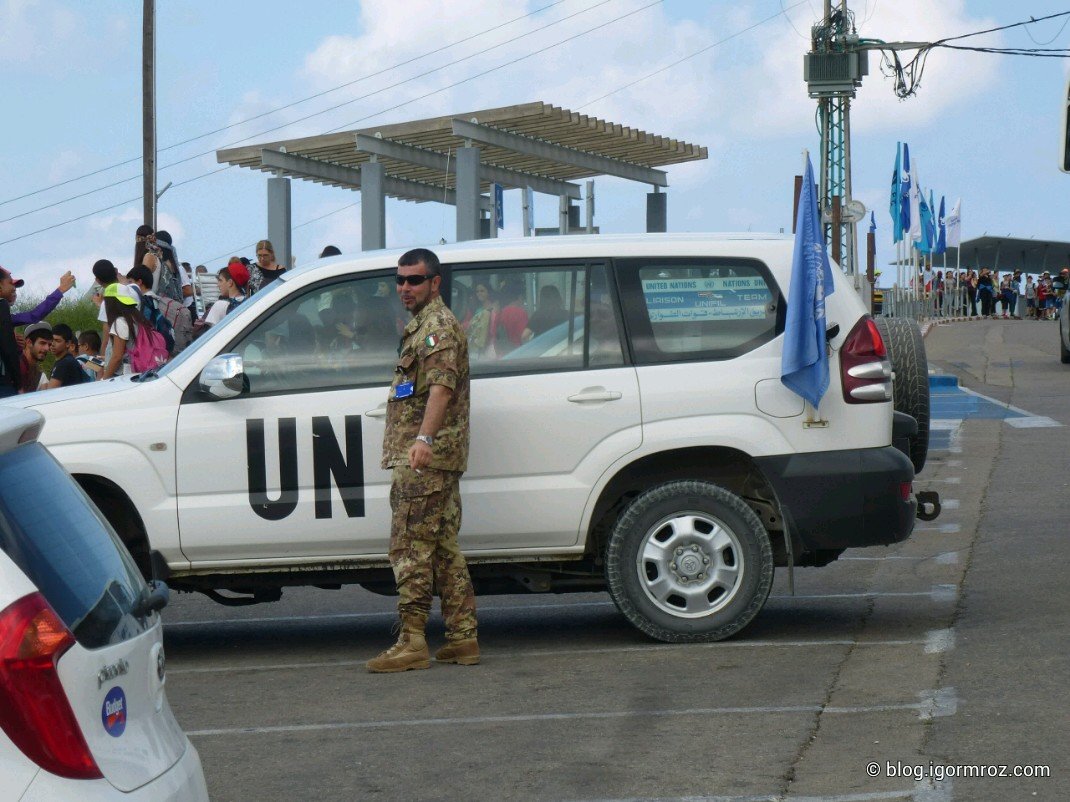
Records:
x=954, y=225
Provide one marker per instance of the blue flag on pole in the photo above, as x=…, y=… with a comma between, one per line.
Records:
x=941, y=230
x=872, y=224
x=904, y=192
x=933, y=225
x=925, y=244
x=804, y=367
x=894, y=202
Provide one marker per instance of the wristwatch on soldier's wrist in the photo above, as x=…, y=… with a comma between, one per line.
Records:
x=426, y=438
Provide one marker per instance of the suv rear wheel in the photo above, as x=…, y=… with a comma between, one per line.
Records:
x=689, y=561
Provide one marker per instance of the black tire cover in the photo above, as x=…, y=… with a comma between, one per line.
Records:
x=910, y=387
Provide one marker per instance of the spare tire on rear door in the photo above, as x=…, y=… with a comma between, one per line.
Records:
x=910, y=384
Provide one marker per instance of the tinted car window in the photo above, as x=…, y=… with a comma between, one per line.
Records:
x=699, y=309
x=52, y=531
x=342, y=334
x=522, y=318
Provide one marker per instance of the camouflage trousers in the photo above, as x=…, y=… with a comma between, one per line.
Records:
x=426, y=516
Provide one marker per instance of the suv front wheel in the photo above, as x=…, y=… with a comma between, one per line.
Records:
x=689, y=561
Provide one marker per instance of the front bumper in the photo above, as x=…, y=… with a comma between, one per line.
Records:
x=844, y=499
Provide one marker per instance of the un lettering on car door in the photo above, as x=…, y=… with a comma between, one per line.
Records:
x=272, y=484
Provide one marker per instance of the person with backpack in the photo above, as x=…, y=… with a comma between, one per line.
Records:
x=141, y=279
x=232, y=280
x=174, y=283
x=133, y=339
x=89, y=355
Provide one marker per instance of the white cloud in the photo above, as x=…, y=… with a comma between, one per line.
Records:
x=750, y=86
x=64, y=166
x=109, y=236
x=45, y=35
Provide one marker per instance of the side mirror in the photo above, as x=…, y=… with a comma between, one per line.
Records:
x=223, y=377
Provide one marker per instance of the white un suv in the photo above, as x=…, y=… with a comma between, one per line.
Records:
x=632, y=435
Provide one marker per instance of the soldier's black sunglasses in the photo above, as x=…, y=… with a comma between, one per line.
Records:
x=412, y=281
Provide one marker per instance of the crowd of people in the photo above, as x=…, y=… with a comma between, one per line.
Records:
x=146, y=315
x=985, y=293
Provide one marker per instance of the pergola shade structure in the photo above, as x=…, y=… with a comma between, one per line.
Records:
x=456, y=158
x=1003, y=254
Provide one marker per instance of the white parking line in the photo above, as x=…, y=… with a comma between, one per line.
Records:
x=1033, y=422
x=486, y=609
x=938, y=593
x=645, y=649
x=939, y=640
x=944, y=558
x=924, y=707
x=944, y=529
x=385, y=614
x=923, y=791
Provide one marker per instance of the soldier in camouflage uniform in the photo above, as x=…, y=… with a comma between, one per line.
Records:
x=426, y=445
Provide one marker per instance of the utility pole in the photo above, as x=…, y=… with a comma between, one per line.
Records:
x=833, y=71
x=148, y=110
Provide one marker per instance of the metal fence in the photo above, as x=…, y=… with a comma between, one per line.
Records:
x=905, y=302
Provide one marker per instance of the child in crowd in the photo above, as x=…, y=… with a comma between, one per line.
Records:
x=89, y=354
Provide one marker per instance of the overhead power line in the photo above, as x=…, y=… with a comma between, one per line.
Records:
x=613, y=92
x=320, y=112
x=362, y=119
x=908, y=76
x=783, y=12
x=289, y=105
x=241, y=248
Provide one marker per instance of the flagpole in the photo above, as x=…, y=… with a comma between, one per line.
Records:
x=945, y=281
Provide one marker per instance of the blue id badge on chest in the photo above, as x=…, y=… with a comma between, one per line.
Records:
x=403, y=390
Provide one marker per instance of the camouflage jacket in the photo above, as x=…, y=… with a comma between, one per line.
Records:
x=434, y=350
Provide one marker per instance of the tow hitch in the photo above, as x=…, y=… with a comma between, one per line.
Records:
x=928, y=505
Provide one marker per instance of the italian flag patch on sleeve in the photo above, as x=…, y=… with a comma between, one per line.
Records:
x=431, y=340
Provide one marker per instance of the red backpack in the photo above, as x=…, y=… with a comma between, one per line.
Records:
x=149, y=351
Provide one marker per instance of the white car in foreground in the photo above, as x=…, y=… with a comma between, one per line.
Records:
x=83, y=712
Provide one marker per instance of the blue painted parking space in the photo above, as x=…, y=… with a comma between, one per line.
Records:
x=951, y=404
x=949, y=401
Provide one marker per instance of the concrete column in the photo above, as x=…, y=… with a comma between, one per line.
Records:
x=562, y=214
x=590, y=207
x=279, y=222
x=372, y=206
x=468, y=195
x=657, y=212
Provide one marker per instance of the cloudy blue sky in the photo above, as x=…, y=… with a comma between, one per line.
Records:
x=983, y=127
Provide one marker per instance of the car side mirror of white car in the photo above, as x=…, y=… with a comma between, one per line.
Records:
x=223, y=377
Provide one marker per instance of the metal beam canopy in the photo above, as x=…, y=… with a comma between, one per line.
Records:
x=349, y=177
x=541, y=149
x=399, y=151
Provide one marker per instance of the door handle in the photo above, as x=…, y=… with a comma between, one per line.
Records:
x=593, y=394
x=378, y=412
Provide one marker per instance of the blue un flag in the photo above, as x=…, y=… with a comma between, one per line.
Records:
x=804, y=367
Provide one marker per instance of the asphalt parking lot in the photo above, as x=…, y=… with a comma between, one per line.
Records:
x=887, y=671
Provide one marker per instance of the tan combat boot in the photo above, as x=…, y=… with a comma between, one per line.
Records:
x=410, y=652
x=462, y=652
